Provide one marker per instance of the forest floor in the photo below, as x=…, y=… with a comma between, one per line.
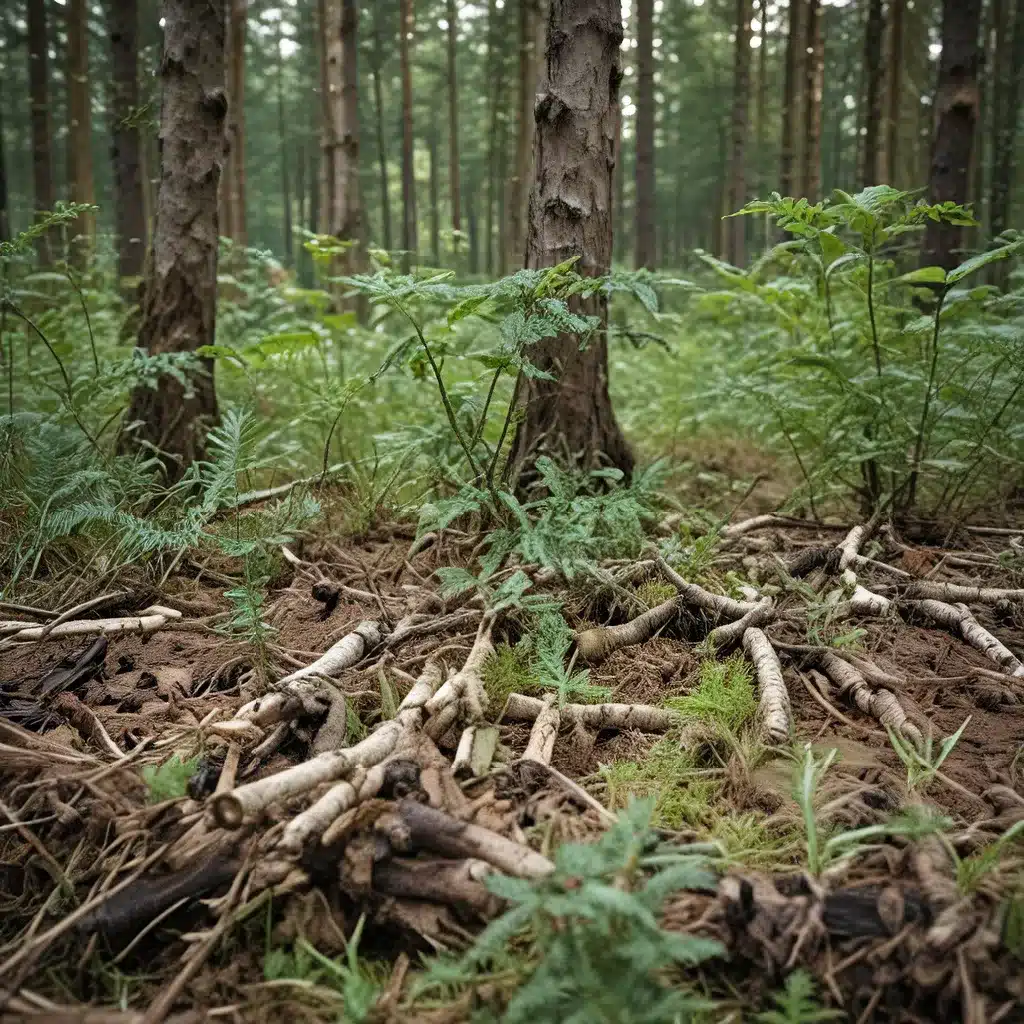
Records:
x=123, y=894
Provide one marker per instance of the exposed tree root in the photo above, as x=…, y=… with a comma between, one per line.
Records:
x=958, y=619
x=774, y=712
x=149, y=620
x=348, y=651
x=643, y=717
x=927, y=590
x=544, y=733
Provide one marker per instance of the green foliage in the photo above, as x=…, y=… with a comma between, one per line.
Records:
x=923, y=765
x=655, y=592
x=594, y=919
x=724, y=696
x=796, y=1003
x=507, y=671
x=169, y=781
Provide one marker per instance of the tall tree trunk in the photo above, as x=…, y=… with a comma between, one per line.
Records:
x=761, y=104
x=79, y=144
x=352, y=201
x=897, y=11
x=5, y=204
x=645, y=178
x=870, y=171
x=454, y=184
x=736, y=239
x=407, y=26
x=1005, y=128
x=42, y=135
x=331, y=159
x=235, y=201
x=791, y=94
x=571, y=418
x=495, y=114
x=126, y=142
x=282, y=136
x=814, y=83
x=956, y=110
x=433, y=142
x=179, y=310
x=529, y=16
x=382, y=152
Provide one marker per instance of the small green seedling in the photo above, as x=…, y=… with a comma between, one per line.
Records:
x=924, y=765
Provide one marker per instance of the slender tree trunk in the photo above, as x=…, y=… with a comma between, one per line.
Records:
x=454, y=184
x=571, y=418
x=79, y=144
x=791, y=102
x=1005, y=128
x=382, y=152
x=956, y=110
x=736, y=227
x=870, y=171
x=495, y=115
x=352, y=226
x=235, y=199
x=180, y=305
x=814, y=83
x=42, y=135
x=282, y=135
x=760, y=115
x=529, y=16
x=435, y=189
x=473, y=229
x=332, y=126
x=5, y=205
x=619, y=188
x=645, y=178
x=897, y=11
x=409, y=230
x=126, y=143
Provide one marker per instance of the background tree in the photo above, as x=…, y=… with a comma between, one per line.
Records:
x=79, y=137
x=39, y=89
x=791, y=102
x=645, y=187
x=956, y=111
x=814, y=81
x=179, y=311
x=519, y=183
x=571, y=216
x=125, y=138
x=1008, y=89
x=870, y=165
x=409, y=230
x=454, y=156
x=235, y=184
x=736, y=252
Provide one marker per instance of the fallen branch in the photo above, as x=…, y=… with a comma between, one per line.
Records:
x=958, y=619
x=774, y=712
x=541, y=744
x=928, y=590
x=724, y=638
x=596, y=644
x=643, y=717
x=454, y=882
x=455, y=621
x=475, y=751
x=467, y=684
x=84, y=720
x=716, y=604
x=316, y=819
x=147, y=621
x=348, y=651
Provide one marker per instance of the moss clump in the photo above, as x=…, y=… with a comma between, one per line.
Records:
x=724, y=696
x=507, y=671
x=655, y=592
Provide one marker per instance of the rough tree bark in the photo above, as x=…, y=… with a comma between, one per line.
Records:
x=352, y=202
x=5, y=207
x=126, y=141
x=454, y=185
x=571, y=418
x=378, y=109
x=644, y=208
x=409, y=231
x=870, y=171
x=791, y=96
x=180, y=300
x=814, y=83
x=761, y=102
x=42, y=157
x=1007, y=116
x=282, y=135
x=736, y=238
x=897, y=11
x=234, y=191
x=79, y=142
x=331, y=159
x=433, y=144
x=956, y=112
x=529, y=17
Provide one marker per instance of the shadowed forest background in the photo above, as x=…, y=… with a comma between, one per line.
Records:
x=511, y=511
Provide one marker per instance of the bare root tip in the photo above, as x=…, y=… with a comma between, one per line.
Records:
x=227, y=810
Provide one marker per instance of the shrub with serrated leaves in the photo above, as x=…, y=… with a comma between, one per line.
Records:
x=585, y=944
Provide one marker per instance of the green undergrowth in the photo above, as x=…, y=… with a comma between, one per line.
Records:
x=724, y=697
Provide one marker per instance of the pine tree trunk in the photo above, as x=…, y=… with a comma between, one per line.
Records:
x=736, y=227
x=529, y=17
x=571, y=418
x=1007, y=116
x=814, y=82
x=5, y=203
x=791, y=96
x=180, y=305
x=332, y=126
x=352, y=226
x=126, y=143
x=235, y=199
x=282, y=136
x=454, y=184
x=495, y=116
x=409, y=231
x=897, y=11
x=42, y=135
x=870, y=171
x=761, y=101
x=435, y=190
x=79, y=144
x=956, y=111
x=645, y=177
x=382, y=152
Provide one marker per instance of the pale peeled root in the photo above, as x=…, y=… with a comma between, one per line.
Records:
x=715, y=604
x=467, y=685
x=879, y=703
x=643, y=717
x=348, y=651
x=927, y=590
x=773, y=711
x=958, y=619
x=596, y=644
x=147, y=621
x=248, y=802
x=544, y=733
x=724, y=638
x=869, y=604
x=475, y=751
